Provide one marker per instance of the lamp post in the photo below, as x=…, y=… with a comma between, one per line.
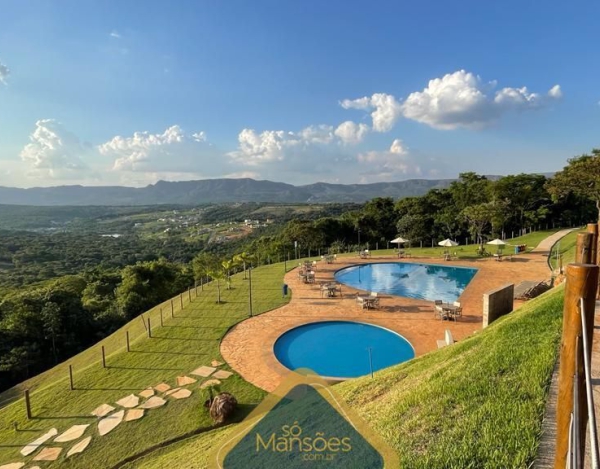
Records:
x=359, y=238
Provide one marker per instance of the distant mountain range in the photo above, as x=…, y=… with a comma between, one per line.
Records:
x=216, y=191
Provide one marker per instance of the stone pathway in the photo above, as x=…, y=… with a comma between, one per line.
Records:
x=547, y=243
x=107, y=421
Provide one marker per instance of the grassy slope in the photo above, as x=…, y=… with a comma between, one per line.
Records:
x=566, y=248
x=476, y=404
x=189, y=340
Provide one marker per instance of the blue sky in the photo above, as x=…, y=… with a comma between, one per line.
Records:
x=128, y=92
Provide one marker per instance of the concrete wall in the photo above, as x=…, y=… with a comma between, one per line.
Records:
x=497, y=303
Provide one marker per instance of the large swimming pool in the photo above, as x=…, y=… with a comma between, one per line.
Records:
x=421, y=281
x=341, y=349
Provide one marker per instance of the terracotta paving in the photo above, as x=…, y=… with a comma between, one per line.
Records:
x=248, y=347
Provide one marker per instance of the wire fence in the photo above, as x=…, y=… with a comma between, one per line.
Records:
x=266, y=288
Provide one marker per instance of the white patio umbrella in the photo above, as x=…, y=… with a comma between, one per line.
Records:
x=399, y=240
x=497, y=242
x=447, y=243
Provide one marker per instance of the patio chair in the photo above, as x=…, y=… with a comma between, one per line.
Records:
x=360, y=301
x=457, y=313
x=373, y=296
x=437, y=306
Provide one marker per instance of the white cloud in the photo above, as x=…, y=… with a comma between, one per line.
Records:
x=115, y=34
x=390, y=165
x=386, y=109
x=555, y=92
x=4, y=72
x=456, y=100
x=174, y=151
x=54, y=152
x=351, y=133
x=360, y=103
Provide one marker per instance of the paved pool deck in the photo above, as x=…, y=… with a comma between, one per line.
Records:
x=248, y=347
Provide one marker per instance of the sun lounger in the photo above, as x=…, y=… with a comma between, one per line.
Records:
x=448, y=339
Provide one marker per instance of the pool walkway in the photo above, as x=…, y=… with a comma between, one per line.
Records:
x=248, y=347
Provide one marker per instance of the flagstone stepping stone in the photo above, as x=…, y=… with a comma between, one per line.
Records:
x=134, y=414
x=185, y=380
x=171, y=391
x=216, y=363
x=31, y=447
x=181, y=394
x=210, y=382
x=13, y=465
x=130, y=401
x=33, y=467
x=162, y=387
x=103, y=410
x=48, y=454
x=73, y=433
x=79, y=447
x=204, y=371
x=146, y=393
x=222, y=374
x=109, y=423
x=153, y=402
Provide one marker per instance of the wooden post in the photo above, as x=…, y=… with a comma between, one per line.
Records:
x=143, y=320
x=582, y=282
x=27, y=404
x=127, y=339
x=593, y=229
x=181, y=301
x=161, y=319
x=189, y=296
x=103, y=358
x=172, y=316
x=149, y=329
x=583, y=253
x=71, y=377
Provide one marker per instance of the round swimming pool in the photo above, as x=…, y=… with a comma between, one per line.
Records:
x=341, y=349
x=421, y=281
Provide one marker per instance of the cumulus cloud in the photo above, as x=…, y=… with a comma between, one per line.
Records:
x=4, y=72
x=351, y=133
x=392, y=164
x=115, y=34
x=457, y=100
x=174, y=150
x=386, y=109
x=54, y=152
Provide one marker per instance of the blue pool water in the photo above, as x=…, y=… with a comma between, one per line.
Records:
x=340, y=349
x=421, y=281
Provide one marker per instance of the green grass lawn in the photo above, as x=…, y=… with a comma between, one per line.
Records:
x=566, y=248
x=468, y=251
x=476, y=404
x=189, y=340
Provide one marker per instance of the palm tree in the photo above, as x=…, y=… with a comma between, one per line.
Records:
x=221, y=406
x=228, y=264
x=217, y=273
x=244, y=258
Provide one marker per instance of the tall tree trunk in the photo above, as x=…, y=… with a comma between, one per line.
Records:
x=218, y=291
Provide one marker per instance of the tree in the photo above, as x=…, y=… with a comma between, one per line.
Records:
x=202, y=264
x=243, y=258
x=412, y=227
x=217, y=273
x=580, y=177
x=52, y=324
x=470, y=189
x=525, y=197
x=479, y=217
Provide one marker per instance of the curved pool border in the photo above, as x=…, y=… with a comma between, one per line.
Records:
x=342, y=378
x=247, y=347
x=369, y=262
